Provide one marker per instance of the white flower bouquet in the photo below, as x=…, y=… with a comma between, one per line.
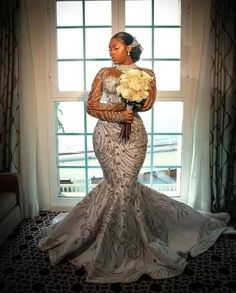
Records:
x=133, y=90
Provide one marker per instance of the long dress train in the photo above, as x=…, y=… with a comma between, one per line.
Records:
x=123, y=229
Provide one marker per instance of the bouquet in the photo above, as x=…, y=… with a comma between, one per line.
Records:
x=133, y=91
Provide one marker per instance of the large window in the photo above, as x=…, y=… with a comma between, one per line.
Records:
x=79, y=50
x=82, y=38
x=157, y=24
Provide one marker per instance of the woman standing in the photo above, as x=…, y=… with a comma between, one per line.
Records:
x=123, y=229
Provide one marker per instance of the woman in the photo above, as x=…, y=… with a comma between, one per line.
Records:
x=123, y=229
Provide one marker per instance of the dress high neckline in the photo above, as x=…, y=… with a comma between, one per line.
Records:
x=125, y=67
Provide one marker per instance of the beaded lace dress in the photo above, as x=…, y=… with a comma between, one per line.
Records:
x=123, y=229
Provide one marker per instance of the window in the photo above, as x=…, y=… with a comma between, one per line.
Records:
x=157, y=25
x=82, y=49
x=79, y=49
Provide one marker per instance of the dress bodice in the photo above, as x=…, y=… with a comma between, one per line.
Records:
x=111, y=82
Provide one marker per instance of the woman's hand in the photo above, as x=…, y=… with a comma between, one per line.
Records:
x=128, y=116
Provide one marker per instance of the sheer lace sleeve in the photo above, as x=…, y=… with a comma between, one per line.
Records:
x=106, y=112
x=152, y=92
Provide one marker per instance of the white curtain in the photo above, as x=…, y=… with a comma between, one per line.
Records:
x=28, y=120
x=199, y=188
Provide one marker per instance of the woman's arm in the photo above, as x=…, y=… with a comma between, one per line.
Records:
x=152, y=93
x=102, y=111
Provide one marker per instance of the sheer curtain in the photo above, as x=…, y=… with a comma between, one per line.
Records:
x=34, y=99
x=28, y=119
x=199, y=187
x=213, y=170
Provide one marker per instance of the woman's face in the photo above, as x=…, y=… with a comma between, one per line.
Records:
x=119, y=52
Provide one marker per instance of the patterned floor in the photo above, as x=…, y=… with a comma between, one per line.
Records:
x=24, y=268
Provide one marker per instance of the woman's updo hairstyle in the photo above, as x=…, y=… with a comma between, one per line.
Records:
x=128, y=39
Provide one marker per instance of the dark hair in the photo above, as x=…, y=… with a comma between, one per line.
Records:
x=128, y=39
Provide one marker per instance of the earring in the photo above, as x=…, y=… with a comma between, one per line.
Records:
x=128, y=53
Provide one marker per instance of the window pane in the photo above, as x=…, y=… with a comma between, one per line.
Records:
x=70, y=117
x=144, y=37
x=95, y=176
x=97, y=42
x=158, y=176
x=166, y=180
x=167, y=43
x=69, y=43
x=70, y=76
x=138, y=12
x=167, y=75
x=143, y=177
x=146, y=117
x=71, y=150
x=69, y=13
x=167, y=12
x=167, y=150
x=147, y=161
x=91, y=123
x=145, y=64
x=92, y=68
x=72, y=182
x=92, y=160
x=168, y=117
x=97, y=12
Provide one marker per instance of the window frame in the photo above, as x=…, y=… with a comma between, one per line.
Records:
x=118, y=24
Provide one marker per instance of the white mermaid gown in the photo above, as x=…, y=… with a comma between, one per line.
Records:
x=123, y=229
